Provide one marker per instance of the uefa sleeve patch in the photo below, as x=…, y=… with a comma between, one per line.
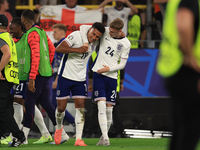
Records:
x=70, y=37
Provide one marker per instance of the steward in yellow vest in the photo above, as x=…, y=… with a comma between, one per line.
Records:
x=179, y=64
x=8, y=77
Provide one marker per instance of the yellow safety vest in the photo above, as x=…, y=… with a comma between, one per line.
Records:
x=11, y=69
x=171, y=58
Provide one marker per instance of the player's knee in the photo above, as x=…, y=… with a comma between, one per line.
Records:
x=80, y=105
x=61, y=109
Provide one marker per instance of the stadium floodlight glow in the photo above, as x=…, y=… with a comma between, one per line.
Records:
x=136, y=133
x=146, y=137
x=167, y=135
x=132, y=130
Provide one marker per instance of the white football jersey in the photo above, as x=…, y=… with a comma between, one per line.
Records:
x=113, y=13
x=111, y=50
x=73, y=65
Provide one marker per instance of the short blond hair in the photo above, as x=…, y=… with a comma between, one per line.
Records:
x=60, y=26
x=117, y=24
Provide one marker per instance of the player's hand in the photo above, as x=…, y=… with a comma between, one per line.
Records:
x=54, y=85
x=83, y=49
x=191, y=62
x=121, y=34
x=31, y=85
x=52, y=70
x=37, y=6
x=86, y=44
x=102, y=70
x=90, y=88
x=1, y=76
x=121, y=87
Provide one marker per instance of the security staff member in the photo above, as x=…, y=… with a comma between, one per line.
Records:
x=179, y=64
x=8, y=77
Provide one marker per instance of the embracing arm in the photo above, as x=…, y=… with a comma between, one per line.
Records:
x=114, y=68
x=84, y=29
x=64, y=48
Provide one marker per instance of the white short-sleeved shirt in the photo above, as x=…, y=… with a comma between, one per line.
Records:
x=76, y=8
x=73, y=65
x=111, y=50
x=113, y=13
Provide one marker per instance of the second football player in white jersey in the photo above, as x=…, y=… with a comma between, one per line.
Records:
x=112, y=56
x=72, y=77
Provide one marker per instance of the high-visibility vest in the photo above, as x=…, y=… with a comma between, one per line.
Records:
x=134, y=26
x=11, y=69
x=44, y=66
x=171, y=58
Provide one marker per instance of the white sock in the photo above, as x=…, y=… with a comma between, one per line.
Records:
x=79, y=121
x=18, y=114
x=109, y=116
x=63, y=132
x=26, y=132
x=59, y=119
x=102, y=118
x=39, y=121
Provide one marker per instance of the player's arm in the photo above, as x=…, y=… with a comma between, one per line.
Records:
x=34, y=44
x=134, y=10
x=114, y=68
x=65, y=48
x=84, y=29
x=5, y=59
x=103, y=4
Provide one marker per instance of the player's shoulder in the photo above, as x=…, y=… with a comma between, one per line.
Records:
x=74, y=36
x=126, y=8
x=75, y=33
x=125, y=42
x=109, y=8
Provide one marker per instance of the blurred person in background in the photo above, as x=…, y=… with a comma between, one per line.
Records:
x=69, y=4
x=179, y=65
x=119, y=11
x=4, y=6
x=136, y=30
x=12, y=9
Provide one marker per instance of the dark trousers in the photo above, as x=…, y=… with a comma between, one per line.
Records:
x=6, y=115
x=43, y=87
x=183, y=88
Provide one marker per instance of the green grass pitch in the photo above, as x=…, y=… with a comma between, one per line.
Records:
x=116, y=144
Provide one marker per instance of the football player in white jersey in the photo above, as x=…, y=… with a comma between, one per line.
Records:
x=112, y=56
x=72, y=77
